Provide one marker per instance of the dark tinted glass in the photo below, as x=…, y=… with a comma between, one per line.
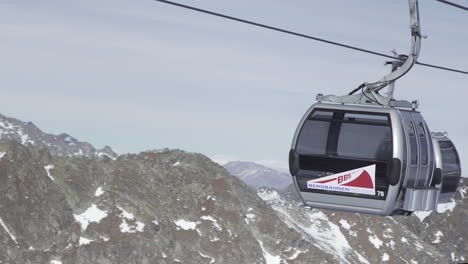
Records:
x=413, y=144
x=365, y=141
x=451, y=171
x=423, y=140
x=322, y=115
x=365, y=118
x=335, y=141
x=346, y=134
x=450, y=161
x=313, y=137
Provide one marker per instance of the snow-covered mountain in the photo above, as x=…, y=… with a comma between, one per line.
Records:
x=171, y=206
x=256, y=175
x=63, y=144
x=354, y=238
x=365, y=238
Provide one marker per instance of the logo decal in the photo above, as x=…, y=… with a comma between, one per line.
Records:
x=360, y=181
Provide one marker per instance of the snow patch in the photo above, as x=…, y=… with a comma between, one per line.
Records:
x=327, y=234
x=422, y=215
x=376, y=241
x=100, y=155
x=8, y=231
x=268, y=195
x=7, y=125
x=345, y=224
x=176, y=164
x=185, y=225
x=437, y=235
x=92, y=215
x=214, y=221
x=126, y=226
x=443, y=207
x=385, y=257
x=84, y=241
x=48, y=168
x=212, y=260
x=213, y=238
x=55, y=261
x=392, y=244
x=99, y=192
x=462, y=191
x=249, y=218
x=404, y=240
x=297, y=253
x=269, y=258
x=362, y=259
x=2, y=154
x=24, y=137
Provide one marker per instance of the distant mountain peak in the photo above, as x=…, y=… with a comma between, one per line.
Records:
x=63, y=144
x=256, y=175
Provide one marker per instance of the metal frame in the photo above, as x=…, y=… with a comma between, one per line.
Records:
x=370, y=91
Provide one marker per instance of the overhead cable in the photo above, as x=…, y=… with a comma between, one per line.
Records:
x=304, y=35
x=453, y=4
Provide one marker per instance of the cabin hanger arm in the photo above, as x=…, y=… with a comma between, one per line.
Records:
x=370, y=91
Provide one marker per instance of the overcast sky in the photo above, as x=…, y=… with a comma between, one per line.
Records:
x=139, y=74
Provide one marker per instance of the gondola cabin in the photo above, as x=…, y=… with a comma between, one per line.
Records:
x=448, y=170
x=371, y=159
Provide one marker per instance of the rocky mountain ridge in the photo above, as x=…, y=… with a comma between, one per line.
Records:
x=61, y=145
x=165, y=207
x=171, y=206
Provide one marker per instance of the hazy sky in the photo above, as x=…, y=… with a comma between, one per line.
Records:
x=139, y=74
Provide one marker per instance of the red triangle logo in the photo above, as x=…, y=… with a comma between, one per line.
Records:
x=363, y=181
x=325, y=181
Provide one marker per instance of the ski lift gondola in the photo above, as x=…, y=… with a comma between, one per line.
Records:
x=369, y=153
x=368, y=159
x=447, y=166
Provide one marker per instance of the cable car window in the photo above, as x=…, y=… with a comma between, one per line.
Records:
x=313, y=137
x=404, y=161
x=346, y=134
x=333, y=141
x=365, y=141
x=451, y=170
x=413, y=144
x=322, y=115
x=450, y=160
x=423, y=140
x=375, y=119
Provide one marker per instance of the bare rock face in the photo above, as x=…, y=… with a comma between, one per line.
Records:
x=354, y=238
x=64, y=145
x=170, y=206
x=164, y=207
x=423, y=237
